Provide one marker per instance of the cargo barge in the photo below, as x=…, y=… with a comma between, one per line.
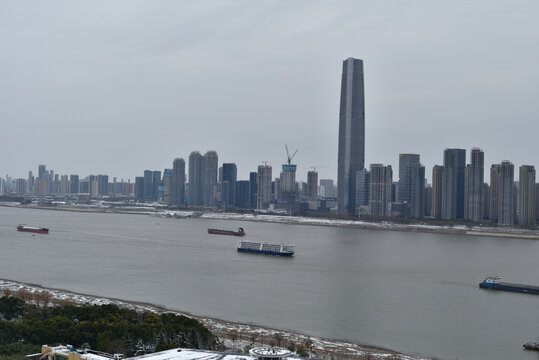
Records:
x=32, y=229
x=494, y=283
x=239, y=232
x=266, y=248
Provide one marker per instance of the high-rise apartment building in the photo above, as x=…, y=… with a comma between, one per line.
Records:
x=351, y=157
x=363, y=187
x=167, y=186
x=139, y=188
x=527, y=206
x=64, y=184
x=74, y=184
x=494, y=192
x=242, y=194
x=177, y=191
x=42, y=171
x=412, y=184
x=252, y=189
x=437, y=181
x=210, y=178
x=156, y=182
x=380, y=190
x=196, y=179
x=21, y=186
x=474, y=179
x=417, y=198
x=453, y=184
x=506, y=201
x=148, y=185
x=263, y=187
x=312, y=184
x=406, y=162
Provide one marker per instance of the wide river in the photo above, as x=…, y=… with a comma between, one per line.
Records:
x=412, y=292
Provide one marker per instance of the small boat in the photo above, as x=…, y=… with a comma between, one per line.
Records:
x=32, y=229
x=266, y=248
x=534, y=345
x=239, y=232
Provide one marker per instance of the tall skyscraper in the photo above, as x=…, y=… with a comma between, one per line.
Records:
x=196, y=179
x=264, y=187
x=474, y=179
x=380, y=191
x=453, y=184
x=351, y=156
x=210, y=178
x=412, y=184
x=527, y=207
x=177, y=191
x=506, y=201
x=230, y=175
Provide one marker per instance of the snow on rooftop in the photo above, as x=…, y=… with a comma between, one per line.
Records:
x=188, y=354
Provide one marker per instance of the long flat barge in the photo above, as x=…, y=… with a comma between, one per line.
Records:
x=32, y=229
x=239, y=232
x=494, y=283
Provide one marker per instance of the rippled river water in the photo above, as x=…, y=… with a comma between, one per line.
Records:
x=412, y=292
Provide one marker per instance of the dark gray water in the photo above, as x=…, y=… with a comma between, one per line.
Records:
x=411, y=292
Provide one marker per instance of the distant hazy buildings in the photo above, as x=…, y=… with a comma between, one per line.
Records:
x=474, y=179
x=351, y=157
x=453, y=184
x=328, y=189
x=527, y=196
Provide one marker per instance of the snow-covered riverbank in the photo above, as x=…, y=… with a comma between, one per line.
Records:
x=158, y=211
x=233, y=335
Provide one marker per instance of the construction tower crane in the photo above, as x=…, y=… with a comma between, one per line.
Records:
x=288, y=154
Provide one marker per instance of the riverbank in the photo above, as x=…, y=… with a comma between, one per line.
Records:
x=472, y=230
x=235, y=336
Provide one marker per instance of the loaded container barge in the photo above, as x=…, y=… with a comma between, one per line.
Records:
x=265, y=248
x=494, y=283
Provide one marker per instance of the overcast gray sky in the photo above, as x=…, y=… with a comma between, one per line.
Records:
x=116, y=87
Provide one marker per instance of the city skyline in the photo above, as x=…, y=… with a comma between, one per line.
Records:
x=87, y=102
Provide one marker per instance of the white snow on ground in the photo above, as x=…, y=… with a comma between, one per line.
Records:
x=233, y=335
